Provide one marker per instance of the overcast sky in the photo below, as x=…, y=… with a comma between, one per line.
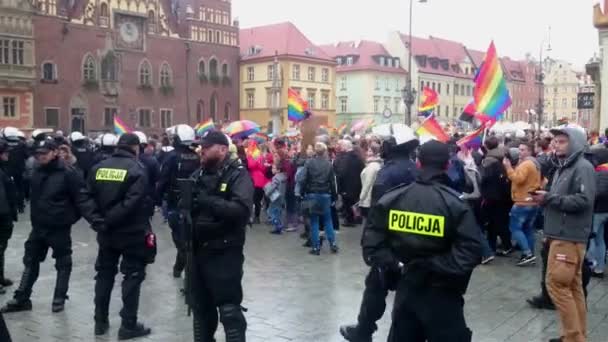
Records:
x=517, y=26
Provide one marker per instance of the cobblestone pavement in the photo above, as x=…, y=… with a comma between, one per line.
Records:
x=291, y=296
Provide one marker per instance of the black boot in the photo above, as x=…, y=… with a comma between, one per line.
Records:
x=234, y=322
x=540, y=302
x=101, y=326
x=351, y=333
x=21, y=300
x=180, y=263
x=129, y=330
x=5, y=282
x=204, y=327
x=64, y=270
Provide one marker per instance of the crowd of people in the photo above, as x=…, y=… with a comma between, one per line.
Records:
x=514, y=187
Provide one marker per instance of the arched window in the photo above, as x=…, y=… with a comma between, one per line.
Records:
x=213, y=107
x=165, y=75
x=151, y=22
x=210, y=35
x=218, y=38
x=227, y=112
x=145, y=73
x=201, y=67
x=225, y=70
x=109, y=67
x=49, y=71
x=213, y=67
x=88, y=69
x=103, y=14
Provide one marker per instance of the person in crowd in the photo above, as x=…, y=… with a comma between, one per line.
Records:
x=496, y=197
x=65, y=153
x=82, y=151
x=525, y=180
x=436, y=269
x=257, y=170
x=348, y=167
x=319, y=187
x=57, y=202
x=275, y=191
x=368, y=177
x=15, y=166
x=281, y=148
x=568, y=210
x=299, y=184
x=597, y=246
x=8, y=212
x=151, y=166
x=223, y=199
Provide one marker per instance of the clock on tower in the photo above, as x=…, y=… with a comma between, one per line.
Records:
x=129, y=32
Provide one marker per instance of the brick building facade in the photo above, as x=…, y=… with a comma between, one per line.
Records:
x=154, y=63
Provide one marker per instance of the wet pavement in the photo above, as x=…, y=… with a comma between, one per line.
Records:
x=291, y=295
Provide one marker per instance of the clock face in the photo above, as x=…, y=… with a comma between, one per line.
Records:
x=129, y=32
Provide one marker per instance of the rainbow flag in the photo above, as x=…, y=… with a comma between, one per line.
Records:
x=342, y=129
x=491, y=96
x=205, y=126
x=603, y=167
x=297, y=109
x=428, y=102
x=431, y=128
x=120, y=127
x=474, y=139
x=253, y=150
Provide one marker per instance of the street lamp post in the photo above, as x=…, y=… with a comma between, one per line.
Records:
x=409, y=93
x=540, y=79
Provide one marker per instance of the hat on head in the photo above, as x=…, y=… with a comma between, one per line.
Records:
x=128, y=139
x=214, y=138
x=45, y=146
x=434, y=155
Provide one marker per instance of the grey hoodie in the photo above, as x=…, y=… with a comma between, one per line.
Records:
x=569, y=204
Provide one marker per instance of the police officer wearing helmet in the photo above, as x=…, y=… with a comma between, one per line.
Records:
x=82, y=151
x=58, y=200
x=119, y=186
x=107, y=147
x=222, y=205
x=151, y=165
x=178, y=164
x=398, y=146
x=16, y=162
x=426, y=231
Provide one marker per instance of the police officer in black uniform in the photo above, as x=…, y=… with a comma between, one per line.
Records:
x=119, y=187
x=398, y=169
x=82, y=151
x=107, y=147
x=57, y=202
x=8, y=211
x=221, y=209
x=179, y=164
x=16, y=162
x=426, y=231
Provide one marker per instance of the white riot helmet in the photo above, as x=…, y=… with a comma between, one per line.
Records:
x=76, y=136
x=142, y=137
x=108, y=140
x=21, y=135
x=183, y=135
x=10, y=133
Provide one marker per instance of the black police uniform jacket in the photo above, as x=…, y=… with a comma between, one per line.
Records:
x=8, y=197
x=59, y=196
x=222, y=205
x=180, y=163
x=119, y=186
x=426, y=227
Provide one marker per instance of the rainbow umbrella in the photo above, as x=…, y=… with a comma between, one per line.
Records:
x=242, y=129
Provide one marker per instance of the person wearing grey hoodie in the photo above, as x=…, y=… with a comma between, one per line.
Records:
x=568, y=209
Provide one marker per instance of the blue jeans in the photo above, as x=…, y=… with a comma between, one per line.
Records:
x=597, y=247
x=323, y=201
x=275, y=210
x=522, y=227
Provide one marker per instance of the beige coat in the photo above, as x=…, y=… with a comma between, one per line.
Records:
x=368, y=178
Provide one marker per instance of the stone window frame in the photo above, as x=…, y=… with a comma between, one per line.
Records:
x=55, y=70
x=225, y=63
x=170, y=121
x=150, y=73
x=16, y=104
x=44, y=109
x=85, y=59
x=203, y=62
x=165, y=80
x=217, y=72
x=151, y=111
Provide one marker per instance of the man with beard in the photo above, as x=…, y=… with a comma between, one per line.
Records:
x=223, y=198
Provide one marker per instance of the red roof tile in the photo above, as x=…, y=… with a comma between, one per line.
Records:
x=441, y=49
x=282, y=38
x=364, y=53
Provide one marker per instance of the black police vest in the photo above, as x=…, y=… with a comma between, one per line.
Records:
x=187, y=164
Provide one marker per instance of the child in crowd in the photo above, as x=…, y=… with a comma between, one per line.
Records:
x=275, y=191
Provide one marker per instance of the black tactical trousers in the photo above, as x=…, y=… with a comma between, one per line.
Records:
x=423, y=313
x=36, y=249
x=216, y=286
x=178, y=234
x=373, y=303
x=6, y=231
x=132, y=249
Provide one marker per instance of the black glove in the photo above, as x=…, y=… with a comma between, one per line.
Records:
x=99, y=225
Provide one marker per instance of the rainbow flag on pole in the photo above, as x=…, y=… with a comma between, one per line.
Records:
x=474, y=139
x=431, y=128
x=428, y=102
x=297, y=109
x=205, y=126
x=120, y=127
x=491, y=96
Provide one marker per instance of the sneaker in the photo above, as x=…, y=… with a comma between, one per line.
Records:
x=16, y=305
x=526, y=260
x=487, y=260
x=504, y=252
x=351, y=333
x=6, y=282
x=334, y=248
x=276, y=232
x=307, y=243
x=58, y=305
x=315, y=251
x=539, y=302
x=291, y=229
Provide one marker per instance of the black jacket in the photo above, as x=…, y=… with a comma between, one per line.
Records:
x=119, y=186
x=348, y=167
x=180, y=163
x=8, y=197
x=85, y=157
x=495, y=185
x=318, y=177
x=396, y=171
x=425, y=223
x=222, y=205
x=59, y=196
